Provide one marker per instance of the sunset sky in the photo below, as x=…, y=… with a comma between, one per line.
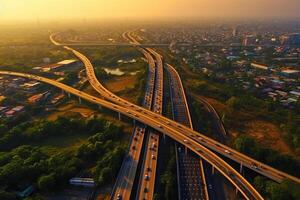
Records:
x=68, y=9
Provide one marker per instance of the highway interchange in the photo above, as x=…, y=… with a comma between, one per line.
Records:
x=216, y=146
x=112, y=97
x=236, y=179
x=197, y=142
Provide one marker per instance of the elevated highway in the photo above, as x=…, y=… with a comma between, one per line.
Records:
x=169, y=129
x=190, y=167
x=146, y=182
x=148, y=171
x=244, y=160
x=209, y=143
x=126, y=176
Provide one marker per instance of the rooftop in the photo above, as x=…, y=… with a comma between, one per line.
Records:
x=66, y=62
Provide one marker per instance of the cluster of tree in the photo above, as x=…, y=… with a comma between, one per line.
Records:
x=22, y=58
x=34, y=131
x=109, y=56
x=101, y=74
x=104, y=149
x=286, y=190
x=267, y=110
x=292, y=128
x=202, y=121
x=248, y=145
x=212, y=90
x=30, y=164
x=239, y=101
x=71, y=78
x=140, y=86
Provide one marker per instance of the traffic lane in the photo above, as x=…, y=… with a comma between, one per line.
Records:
x=282, y=175
x=149, y=171
x=153, y=123
x=126, y=179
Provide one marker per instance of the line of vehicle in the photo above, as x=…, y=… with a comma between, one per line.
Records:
x=125, y=103
x=122, y=188
x=231, y=174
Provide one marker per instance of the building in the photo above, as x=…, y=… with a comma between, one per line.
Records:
x=290, y=73
x=26, y=192
x=3, y=110
x=259, y=66
x=85, y=182
x=31, y=86
x=296, y=94
x=56, y=67
x=249, y=40
x=57, y=99
x=38, y=97
x=292, y=39
x=69, y=63
x=14, y=111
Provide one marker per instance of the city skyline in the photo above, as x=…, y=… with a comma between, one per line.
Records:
x=134, y=9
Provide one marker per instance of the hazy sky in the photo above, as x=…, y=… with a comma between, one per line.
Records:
x=50, y=9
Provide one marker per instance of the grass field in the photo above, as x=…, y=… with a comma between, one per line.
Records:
x=72, y=108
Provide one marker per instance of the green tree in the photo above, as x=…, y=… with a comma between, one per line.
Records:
x=245, y=144
x=46, y=182
x=276, y=192
x=105, y=176
x=7, y=195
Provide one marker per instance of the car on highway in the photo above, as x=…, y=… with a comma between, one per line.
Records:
x=153, y=145
x=119, y=197
x=153, y=157
x=186, y=141
x=146, y=177
x=145, y=190
x=228, y=152
x=254, y=166
x=199, y=150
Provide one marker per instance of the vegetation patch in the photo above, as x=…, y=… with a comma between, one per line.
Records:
x=46, y=154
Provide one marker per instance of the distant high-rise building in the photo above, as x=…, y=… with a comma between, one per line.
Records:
x=292, y=39
x=249, y=40
x=283, y=39
x=235, y=32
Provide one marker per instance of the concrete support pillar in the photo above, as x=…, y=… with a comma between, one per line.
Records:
x=241, y=168
x=236, y=191
x=164, y=135
x=134, y=122
x=69, y=95
x=185, y=150
x=212, y=169
x=100, y=107
x=79, y=99
x=119, y=114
